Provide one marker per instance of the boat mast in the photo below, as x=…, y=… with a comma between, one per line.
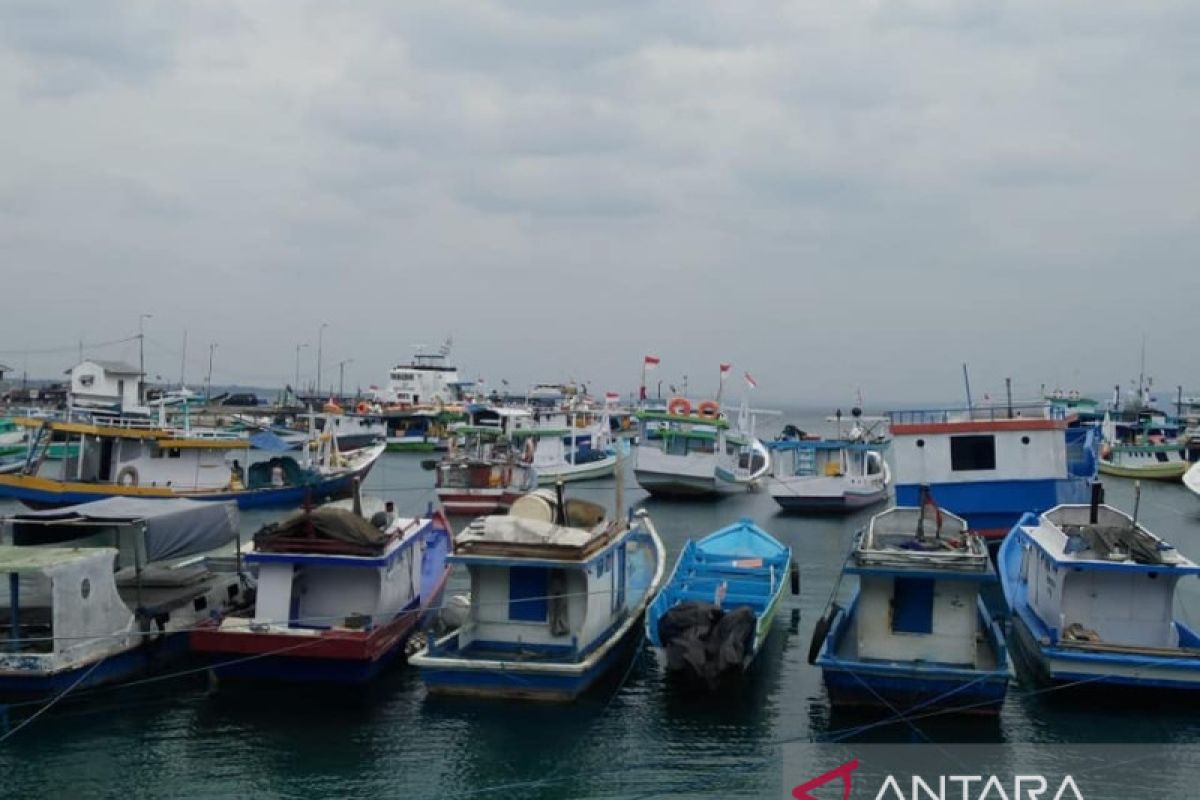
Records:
x=967, y=383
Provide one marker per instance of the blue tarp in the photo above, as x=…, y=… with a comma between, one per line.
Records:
x=266, y=440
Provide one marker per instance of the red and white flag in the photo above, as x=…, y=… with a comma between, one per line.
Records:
x=651, y=362
x=753, y=384
x=725, y=371
x=611, y=397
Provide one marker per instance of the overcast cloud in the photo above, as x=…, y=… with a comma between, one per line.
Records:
x=829, y=194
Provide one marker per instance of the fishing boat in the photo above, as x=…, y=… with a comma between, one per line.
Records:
x=107, y=591
x=573, y=443
x=353, y=431
x=1092, y=594
x=917, y=633
x=558, y=593
x=991, y=464
x=833, y=475
x=715, y=611
x=483, y=472
x=338, y=597
x=686, y=451
x=420, y=430
x=1144, y=448
x=125, y=457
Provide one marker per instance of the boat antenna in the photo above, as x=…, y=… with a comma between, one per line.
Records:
x=967, y=384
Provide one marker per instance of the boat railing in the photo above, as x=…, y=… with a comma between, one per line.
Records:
x=988, y=413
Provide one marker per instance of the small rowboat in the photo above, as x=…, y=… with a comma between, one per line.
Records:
x=714, y=613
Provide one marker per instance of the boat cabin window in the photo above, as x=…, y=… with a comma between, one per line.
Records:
x=972, y=453
x=527, y=589
x=680, y=445
x=912, y=605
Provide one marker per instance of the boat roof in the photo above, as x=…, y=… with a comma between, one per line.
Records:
x=521, y=538
x=1067, y=534
x=979, y=419
x=37, y=559
x=826, y=444
x=171, y=527
x=742, y=539
x=663, y=416
x=920, y=539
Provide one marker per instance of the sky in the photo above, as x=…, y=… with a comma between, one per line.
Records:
x=833, y=196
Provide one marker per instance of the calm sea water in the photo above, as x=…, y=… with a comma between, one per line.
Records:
x=641, y=736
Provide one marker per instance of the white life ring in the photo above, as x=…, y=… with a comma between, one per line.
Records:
x=128, y=476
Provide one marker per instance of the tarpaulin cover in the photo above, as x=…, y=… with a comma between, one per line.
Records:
x=329, y=523
x=268, y=440
x=705, y=640
x=174, y=527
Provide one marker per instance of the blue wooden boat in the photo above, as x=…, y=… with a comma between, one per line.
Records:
x=715, y=611
x=558, y=593
x=1092, y=595
x=917, y=634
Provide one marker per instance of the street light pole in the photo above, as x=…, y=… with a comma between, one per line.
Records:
x=142, y=356
x=296, y=385
x=208, y=383
x=342, y=377
x=320, y=338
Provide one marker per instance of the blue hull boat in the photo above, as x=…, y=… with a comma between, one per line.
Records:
x=1125, y=634
x=917, y=636
x=715, y=611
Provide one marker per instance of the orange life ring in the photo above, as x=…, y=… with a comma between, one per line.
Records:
x=709, y=409
x=679, y=406
x=362, y=407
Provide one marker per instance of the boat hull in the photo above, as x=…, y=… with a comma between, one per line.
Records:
x=140, y=660
x=667, y=484
x=38, y=492
x=843, y=503
x=1171, y=471
x=411, y=446
x=864, y=687
x=1077, y=668
x=335, y=657
x=991, y=508
x=548, y=476
x=514, y=681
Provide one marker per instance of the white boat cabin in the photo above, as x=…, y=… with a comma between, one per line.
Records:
x=919, y=583
x=554, y=589
x=1108, y=581
x=427, y=380
x=933, y=447
x=112, y=385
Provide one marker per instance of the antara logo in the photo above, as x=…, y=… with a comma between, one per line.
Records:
x=948, y=787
